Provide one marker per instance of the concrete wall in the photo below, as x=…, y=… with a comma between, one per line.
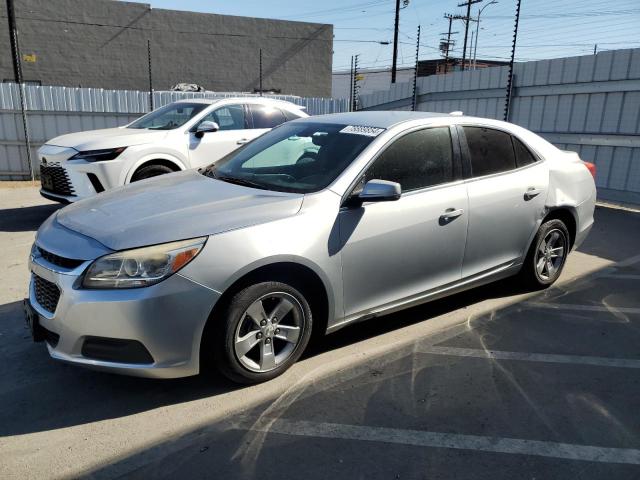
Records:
x=103, y=43
x=589, y=104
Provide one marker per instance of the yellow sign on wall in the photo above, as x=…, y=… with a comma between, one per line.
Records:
x=29, y=57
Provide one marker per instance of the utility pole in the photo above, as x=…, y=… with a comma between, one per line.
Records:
x=595, y=49
x=480, y=10
x=448, y=43
x=414, y=101
x=395, y=43
x=260, y=73
x=507, y=103
x=466, y=27
x=150, y=76
x=13, y=39
x=17, y=73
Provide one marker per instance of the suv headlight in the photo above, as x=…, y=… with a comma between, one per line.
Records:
x=99, y=155
x=141, y=267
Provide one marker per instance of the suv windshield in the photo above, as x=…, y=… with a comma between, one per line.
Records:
x=169, y=117
x=296, y=157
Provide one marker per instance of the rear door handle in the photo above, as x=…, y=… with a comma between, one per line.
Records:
x=242, y=141
x=532, y=192
x=451, y=213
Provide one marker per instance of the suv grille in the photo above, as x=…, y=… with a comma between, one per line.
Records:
x=47, y=293
x=58, y=260
x=56, y=180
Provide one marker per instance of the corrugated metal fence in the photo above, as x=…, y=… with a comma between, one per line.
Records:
x=53, y=111
x=588, y=104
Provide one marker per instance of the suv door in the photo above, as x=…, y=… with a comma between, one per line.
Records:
x=397, y=250
x=212, y=146
x=506, y=198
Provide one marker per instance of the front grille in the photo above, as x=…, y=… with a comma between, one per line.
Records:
x=56, y=180
x=47, y=293
x=58, y=260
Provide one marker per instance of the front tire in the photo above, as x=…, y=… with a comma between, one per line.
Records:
x=263, y=331
x=150, y=171
x=547, y=255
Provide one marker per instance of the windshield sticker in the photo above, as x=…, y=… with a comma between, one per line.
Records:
x=360, y=130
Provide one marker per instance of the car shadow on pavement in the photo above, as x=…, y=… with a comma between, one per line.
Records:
x=26, y=219
x=32, y=383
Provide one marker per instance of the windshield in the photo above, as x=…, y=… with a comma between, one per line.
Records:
x=295, y=157
x=169, y=117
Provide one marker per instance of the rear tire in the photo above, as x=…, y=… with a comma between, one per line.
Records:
x=150, y=171
x=547, y=255
x=261, y=333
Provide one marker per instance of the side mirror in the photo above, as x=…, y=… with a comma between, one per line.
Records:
x=205, y=127
x=380, y=191
x=375, y=191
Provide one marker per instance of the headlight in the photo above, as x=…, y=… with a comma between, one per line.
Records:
x=141, y=267
x=99, y=155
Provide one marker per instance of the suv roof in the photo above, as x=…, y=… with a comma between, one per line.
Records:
x=248, y=99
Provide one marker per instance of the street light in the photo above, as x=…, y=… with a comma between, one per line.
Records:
x=475, y=49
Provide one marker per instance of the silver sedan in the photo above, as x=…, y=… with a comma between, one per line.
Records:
x=320, y=223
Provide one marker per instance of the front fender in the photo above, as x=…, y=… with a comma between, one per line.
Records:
x=176, y=159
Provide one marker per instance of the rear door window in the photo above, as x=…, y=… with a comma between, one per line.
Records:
x=416, y=160
x=265, y=116
x=491, y=151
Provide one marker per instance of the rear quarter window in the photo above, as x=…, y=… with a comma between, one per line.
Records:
x=524, y=156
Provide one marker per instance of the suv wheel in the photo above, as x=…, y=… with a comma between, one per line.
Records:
x=547, y=255
x=265, y=329
x=150, y=171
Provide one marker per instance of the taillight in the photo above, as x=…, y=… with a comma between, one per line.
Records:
x=591, y=167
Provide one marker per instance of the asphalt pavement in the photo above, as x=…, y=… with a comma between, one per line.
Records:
x=494, y=383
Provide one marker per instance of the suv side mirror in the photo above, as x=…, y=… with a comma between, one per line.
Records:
x=205, y=127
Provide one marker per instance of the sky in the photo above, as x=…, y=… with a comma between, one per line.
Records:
x=548, y=28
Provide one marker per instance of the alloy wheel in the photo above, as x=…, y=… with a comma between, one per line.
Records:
x=551, y=254
x=269, y=331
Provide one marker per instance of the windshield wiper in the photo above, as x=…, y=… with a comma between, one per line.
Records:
x=239, y=181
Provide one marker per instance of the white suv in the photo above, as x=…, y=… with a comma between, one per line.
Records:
x=182, y=135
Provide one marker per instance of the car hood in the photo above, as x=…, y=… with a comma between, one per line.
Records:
x=107, y=138
x=173, y=207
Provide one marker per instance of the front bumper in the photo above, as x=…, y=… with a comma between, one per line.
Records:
x=167, y=318
x=73, y=180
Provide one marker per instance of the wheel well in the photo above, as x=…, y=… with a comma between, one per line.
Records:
x=298, y=276
x=158, y=161
x=567, y=218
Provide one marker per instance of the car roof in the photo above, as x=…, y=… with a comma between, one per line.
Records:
x=378, y=119
x=247, y=99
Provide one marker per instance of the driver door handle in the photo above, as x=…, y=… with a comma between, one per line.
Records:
x=532, y=192
x=451, y=213
x=242, y=141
